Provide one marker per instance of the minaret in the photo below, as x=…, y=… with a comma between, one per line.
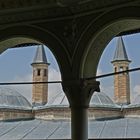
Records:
x=40, y=74
x=121, y=81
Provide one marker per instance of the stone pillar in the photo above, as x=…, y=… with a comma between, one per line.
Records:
x=79, y=94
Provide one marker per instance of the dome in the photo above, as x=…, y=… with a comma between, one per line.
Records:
x=135, y=102
x=58, y=100
x=10, y=98
x=136, y=99
x=101, y=99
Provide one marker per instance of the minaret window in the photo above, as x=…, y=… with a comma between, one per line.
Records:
x=121, y=69
x=45, y=72
x=34, y=72
x=38, y=72
x=115, y=69
x=127, y=69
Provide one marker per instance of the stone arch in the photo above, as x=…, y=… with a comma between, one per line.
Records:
x=16, y=35
x=114, y=24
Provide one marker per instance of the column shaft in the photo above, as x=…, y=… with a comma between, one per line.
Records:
x=79, y=94
x=79, y=126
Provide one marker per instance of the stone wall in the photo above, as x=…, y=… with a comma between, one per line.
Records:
x=131, y=112
x=40, y=91
x=65, y=113
x=121, y=83
x=55, y=113
x=104, y=113
x=13, y=114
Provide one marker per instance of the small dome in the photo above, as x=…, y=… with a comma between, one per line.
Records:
x=136, y=100
x=58, y=100
x=101, y=99
x=12, y=99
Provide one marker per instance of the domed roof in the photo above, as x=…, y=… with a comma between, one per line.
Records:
x=136, y=99
x=10, y=98
x=58, y=100
x=101, y=99
x=135, y=102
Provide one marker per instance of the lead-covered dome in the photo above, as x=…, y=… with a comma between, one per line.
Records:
x=10, y=98
x=102, y=100
x=135, y=102
x=99, y=99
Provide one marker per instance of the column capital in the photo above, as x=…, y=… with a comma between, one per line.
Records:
x=79, y=92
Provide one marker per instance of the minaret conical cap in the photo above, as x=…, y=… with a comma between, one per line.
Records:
x=40, y=56
x=120, y=52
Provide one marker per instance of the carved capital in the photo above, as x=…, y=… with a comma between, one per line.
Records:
x=79, y=92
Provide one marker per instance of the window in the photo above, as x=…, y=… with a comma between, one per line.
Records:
x=121, y=68
x=115, y=69
x=38, y=72
x=45, y=72
x=127, y=69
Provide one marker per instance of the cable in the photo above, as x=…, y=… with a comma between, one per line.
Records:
x=23, y=83
x=111, y=74
x=90, y=78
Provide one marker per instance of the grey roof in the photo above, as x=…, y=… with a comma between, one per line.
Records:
x=40, y=56
x=41, y=129
x=120, y=52
x=10, y=98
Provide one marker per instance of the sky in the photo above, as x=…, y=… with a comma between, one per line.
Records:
x=132, y=45
x=15, y=67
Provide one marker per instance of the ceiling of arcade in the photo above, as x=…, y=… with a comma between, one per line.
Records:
x=60, y=17
x=40, y=10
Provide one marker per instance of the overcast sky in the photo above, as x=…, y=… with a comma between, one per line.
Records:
x=15, y=67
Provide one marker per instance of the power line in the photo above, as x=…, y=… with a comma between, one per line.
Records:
x=28, y=83
x=114, y=73
x=55, y=82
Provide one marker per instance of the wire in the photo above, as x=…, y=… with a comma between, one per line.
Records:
x=26, y=83
x=114, y=73
x=55, y=82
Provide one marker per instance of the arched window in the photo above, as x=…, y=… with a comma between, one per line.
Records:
x=127, y=69
x=121, y=68
x=45, y=72
x=115, y=69
x=38, y=72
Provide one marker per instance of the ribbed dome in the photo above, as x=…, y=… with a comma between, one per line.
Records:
x=10, y=98
x=101, y=99
x=58, y=100
x=136, y=100
x=98, y=99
